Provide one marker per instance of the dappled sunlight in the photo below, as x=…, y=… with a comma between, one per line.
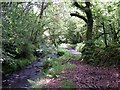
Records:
x=116, y=74
x=43, y=81
x=63, y=71
x=63, y=45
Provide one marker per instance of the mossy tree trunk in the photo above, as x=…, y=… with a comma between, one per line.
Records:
x=88, y=19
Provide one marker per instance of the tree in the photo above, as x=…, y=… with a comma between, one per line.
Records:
x=88, y=20
x=22, y=32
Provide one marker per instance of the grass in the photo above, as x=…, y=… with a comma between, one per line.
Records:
x=68, y=54
x=65, y=51
x=56, y=70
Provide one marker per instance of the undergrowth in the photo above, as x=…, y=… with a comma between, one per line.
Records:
x=102, y=56
x=52, y=67
x=11, y=65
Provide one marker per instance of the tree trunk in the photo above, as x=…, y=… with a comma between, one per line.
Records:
x=89, y=30
x=105, y=36
x=88, y=20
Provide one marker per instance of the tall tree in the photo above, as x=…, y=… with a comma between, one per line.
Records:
x=88, y=19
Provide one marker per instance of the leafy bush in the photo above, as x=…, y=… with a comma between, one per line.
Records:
x=10, y=64
x=103, y=57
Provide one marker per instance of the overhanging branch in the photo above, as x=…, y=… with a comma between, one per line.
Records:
x=78, y=5
x=79, y=16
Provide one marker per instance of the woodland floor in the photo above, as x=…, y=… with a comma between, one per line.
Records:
x=83, y=76
x=86, y=76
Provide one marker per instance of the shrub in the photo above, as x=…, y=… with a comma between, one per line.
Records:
x=103, y=57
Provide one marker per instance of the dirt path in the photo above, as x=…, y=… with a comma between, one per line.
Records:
x=18, y=79
x=86, y=76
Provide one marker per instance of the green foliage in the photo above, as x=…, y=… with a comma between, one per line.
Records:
x=103, y=57
x=45, y=50
x=56, y=70
x=79, y=46
x=11, y=64
x=23, y=31
x=107, y=14
x=73, y=36
x=53, y=67
x=17, y=59
x=18, y=36
x=63, y=51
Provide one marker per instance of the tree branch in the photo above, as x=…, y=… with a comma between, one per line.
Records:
x=87, y=3
x=79, y=16
x=78, y=5
x=101, y=35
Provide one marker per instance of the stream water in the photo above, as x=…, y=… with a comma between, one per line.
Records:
x=19, y=79
x=73, y=51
